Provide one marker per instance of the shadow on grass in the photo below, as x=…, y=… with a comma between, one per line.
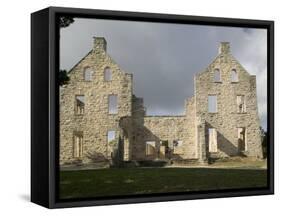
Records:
x=131, y=181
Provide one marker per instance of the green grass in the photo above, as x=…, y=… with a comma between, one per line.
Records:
x=245, y=164
x=110, y=182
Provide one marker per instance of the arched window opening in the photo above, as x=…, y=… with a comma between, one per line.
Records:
x=88, y=74
x=107, y=74
x=217, y=75
x=234, y=75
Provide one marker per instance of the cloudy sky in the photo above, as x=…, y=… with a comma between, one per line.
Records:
x=164, y=58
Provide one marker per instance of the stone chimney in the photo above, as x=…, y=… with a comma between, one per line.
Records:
x=224, y=48
x=99, y=44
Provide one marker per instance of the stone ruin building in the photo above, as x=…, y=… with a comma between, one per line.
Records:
x=101, y=120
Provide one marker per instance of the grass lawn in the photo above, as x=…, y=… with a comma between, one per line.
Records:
x=240, y=164
x=128, y=181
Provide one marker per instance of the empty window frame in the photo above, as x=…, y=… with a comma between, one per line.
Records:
x=79, y=104
x=241, y=104
x=217, y=75
x=111, y=136
x=112, y=104
x=234, y=75
x=213, y=142
x=212, y=103
x=107, y=74
x=177, y=143
x=78, y=145
x=150, y=148
x=242, y=139
x=88, y=74
x=164, y=143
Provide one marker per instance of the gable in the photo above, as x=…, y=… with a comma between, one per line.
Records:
x=224, y=64
x=98, y=62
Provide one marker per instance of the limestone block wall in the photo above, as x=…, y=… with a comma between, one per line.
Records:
x=227, y=119
x=133, y=128
x=96, y=121
x=138, y=143
x=164, y=128
x=190, y=125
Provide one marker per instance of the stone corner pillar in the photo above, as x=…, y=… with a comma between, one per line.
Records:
x=201, y=141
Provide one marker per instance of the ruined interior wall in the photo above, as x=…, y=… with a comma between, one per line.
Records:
x=157, y=128
x=227, y=119
x=160, y=128
x=96, y=121
x=138, y=143
x=191, y=150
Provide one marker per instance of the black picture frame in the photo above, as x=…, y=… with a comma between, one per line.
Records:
x=45, y=103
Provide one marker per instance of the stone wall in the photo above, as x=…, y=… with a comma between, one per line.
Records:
x=163, y=128
x=160, y=128
x=133, y=128
x=226, y=120
x=96, y=121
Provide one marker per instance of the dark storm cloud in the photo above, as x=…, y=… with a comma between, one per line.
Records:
x=164, y=58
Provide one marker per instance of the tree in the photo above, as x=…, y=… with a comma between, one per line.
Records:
x=65, y=21
x=63, y=77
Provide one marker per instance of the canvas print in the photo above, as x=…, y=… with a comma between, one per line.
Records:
x=157, y=108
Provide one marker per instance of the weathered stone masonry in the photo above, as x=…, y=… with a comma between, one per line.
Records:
x=221, y=119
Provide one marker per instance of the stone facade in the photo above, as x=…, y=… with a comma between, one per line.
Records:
x=95, y=129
